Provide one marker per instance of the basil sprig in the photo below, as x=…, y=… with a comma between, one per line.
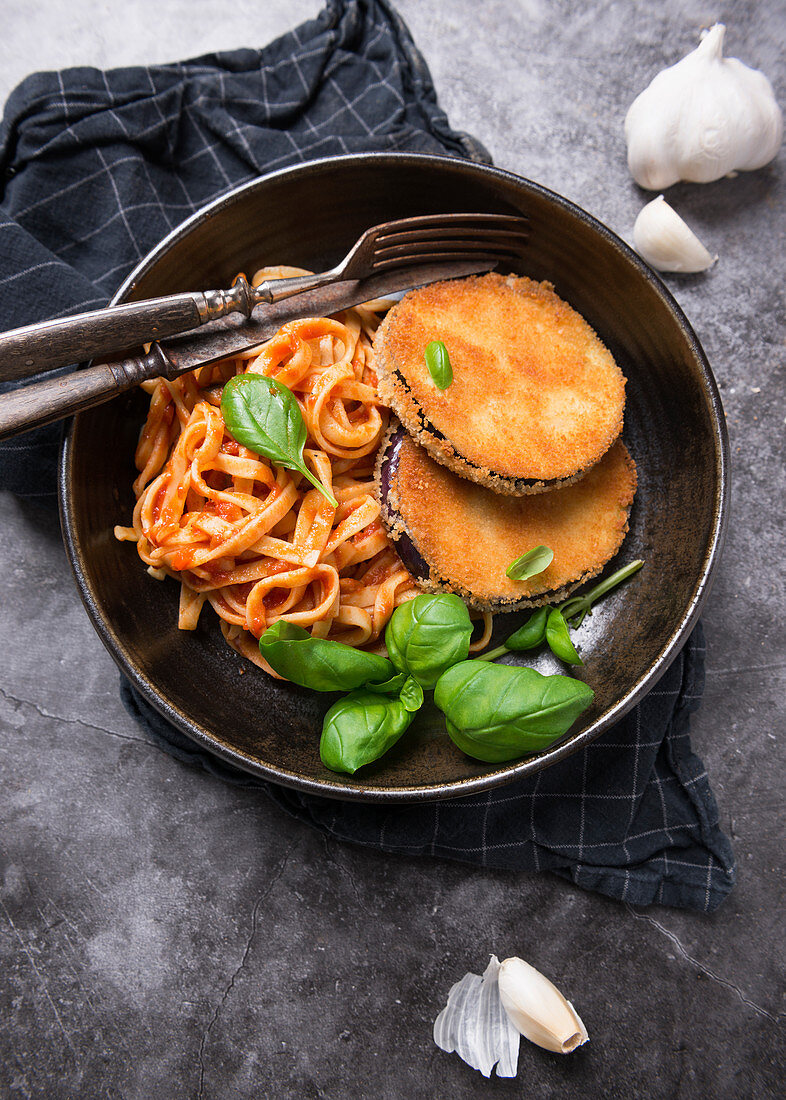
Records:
x=530, y=564
x=493, y=712
x=264, y=416
x=552, y=624
x=427, y=635
x=438, y=363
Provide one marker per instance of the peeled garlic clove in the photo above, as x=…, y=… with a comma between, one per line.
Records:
x=662, y=238
x=475, y=1026
x=537, y=1008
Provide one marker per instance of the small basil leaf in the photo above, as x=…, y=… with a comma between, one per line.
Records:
x=411, y=695
x=427, y=635
x=359, y=728
x=389, y=687
x=530, y=564
x=438, y=363
x=264, y=416
x=317, y=663
x=532, y=633
x=500, y=712
x=558, y=638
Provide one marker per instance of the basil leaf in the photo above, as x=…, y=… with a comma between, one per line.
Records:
x=427, y=635
x=318, y=663
x=532, y=633
x=360, y=728
x=438, y=363
x=530, y=564
x=388, y=687
x=411, y=696
x=558, y=638
x=499, y=712
x=264, y=416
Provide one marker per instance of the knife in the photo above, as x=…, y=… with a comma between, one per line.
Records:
x=54, y=398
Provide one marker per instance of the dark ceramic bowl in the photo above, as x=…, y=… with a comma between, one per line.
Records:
x=308, y=216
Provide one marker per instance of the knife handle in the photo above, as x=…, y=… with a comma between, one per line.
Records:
x=52, y=399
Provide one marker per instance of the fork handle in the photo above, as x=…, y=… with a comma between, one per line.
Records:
x=55, y=398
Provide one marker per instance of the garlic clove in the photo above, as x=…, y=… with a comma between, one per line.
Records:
x=663, y=239
x=475, y=1026
x=537, y=1008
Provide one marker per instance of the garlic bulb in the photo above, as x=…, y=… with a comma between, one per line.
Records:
x=538, y=1009
x=662, y=238
x=701, y=119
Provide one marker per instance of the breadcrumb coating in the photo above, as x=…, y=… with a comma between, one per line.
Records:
x=468, y=535
x=536, y=398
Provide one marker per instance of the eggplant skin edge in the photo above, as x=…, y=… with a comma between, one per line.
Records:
x=426, y=576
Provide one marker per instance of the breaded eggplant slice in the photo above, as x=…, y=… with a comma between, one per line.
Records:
x=456, y=536
x=536, y=398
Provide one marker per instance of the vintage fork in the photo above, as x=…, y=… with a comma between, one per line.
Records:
x=427, y=239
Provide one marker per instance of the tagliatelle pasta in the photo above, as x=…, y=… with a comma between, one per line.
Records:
x=256, y=540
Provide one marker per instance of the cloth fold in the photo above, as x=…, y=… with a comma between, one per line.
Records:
x=95, y=168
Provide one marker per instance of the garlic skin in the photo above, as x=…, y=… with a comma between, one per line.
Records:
x=537, y=1008
x=475, y=1026
x=701, y=119
x=663, y=239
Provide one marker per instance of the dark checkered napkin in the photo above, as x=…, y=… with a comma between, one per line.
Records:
x=96, y=168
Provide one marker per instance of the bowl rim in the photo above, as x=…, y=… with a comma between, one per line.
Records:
x=514, y=770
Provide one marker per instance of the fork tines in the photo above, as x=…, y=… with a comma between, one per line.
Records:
x=442, y=237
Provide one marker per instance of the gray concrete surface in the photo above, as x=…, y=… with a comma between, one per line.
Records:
x=163, y=935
